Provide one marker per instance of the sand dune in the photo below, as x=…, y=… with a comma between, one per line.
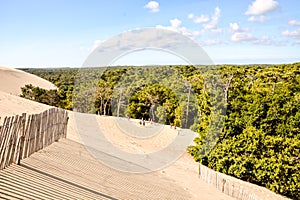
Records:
x=11, y=80
x=178, y=179
x=14, y=105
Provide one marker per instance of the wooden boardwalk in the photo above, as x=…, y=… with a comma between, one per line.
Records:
x=65, y=170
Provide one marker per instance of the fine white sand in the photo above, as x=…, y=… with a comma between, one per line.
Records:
x=183, y=172
x=11, y=81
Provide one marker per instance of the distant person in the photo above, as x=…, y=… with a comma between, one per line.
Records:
x=144, y=122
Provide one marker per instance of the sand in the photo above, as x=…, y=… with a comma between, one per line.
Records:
x=11, y=81
x=182, y=173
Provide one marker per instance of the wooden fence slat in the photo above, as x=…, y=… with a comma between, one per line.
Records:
x=4, y=131
x=43, y=125
x=54, y=125
x=13, y=143
x=21, y=136
x=46, y=127
x=53, y=121
x=33, y=135
x=4, y=135
x=26, y=138
x=49, y=128
x=65, y=123
x=10, y=142
x=234, y=187
x=30, y=136
x=21, y=140
x=57, y=124
x=4, y=148
x=38, y=132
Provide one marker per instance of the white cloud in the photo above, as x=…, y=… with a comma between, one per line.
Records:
x=191, y=16
x=297, y=42
x=216, y=30
x=201, y=19
x=293, y=34
x=265, y=40
x=175, y=23
x=234, y=26
x=259, y=7
x=260, y=18
x=153, y=6
x=214, y=20
x=91, y=48
x=176, y=26
x=294, y=22
x=211, y=42
x=96, y=44
x=241, y=37
x=198, y=19
x=189, y=33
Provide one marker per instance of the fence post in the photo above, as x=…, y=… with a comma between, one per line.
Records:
x=22, y=138
x=66, y=124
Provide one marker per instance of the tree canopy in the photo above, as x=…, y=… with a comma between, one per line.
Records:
x=247, y=117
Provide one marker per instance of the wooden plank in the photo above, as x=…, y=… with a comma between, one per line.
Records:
x=21, y=139
x=6, y=144
x=58, y=122
x=40, y=144
x=33, y=135
x=58, y=126
x=66, y=120
x=54, y=123
x=45, y=129
x=4, y=134
x=43, y=123
x=21, y=136
x=38, y=133
x=48, y=129
x=13, y=143
x=52, y=133
x=26, y=138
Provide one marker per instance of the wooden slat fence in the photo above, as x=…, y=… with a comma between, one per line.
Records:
x=236, y=188
x=21, y=136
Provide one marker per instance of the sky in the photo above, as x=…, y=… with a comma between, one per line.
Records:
x=63, y=33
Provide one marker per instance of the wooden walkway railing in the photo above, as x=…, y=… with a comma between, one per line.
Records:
x=21, y=136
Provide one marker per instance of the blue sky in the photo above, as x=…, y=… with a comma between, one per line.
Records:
x=62, y=33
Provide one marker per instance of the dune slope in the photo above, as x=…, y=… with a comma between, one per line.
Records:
x=11, y=80
x=66, y=170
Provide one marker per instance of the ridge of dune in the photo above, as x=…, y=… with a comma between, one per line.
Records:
x=11, y=81
x=11, y=105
